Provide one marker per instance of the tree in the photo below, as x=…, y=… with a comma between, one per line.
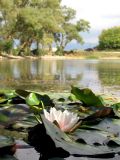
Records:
x=31, y=19
x=110, y=38
x=71, y=31
x=43, y=21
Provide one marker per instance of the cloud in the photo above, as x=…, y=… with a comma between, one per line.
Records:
x=96, y=11
x=112, y=16
x=101, y=14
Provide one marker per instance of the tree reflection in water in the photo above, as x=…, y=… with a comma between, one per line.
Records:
x=59, y=75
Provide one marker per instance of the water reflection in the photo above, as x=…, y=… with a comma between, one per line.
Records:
x=59, y=75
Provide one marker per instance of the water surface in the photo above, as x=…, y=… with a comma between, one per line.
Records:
x=59, y=75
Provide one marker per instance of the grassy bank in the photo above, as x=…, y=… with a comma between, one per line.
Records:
x=94, y=54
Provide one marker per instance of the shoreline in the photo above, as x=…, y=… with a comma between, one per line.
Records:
x=76, y=56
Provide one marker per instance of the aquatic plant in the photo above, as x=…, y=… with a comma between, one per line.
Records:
x=65, y=120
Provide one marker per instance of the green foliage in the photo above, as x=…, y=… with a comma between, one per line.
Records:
x=3, y=118
x=116, y=109
x=38, y=20
x=96, y=136
x=42, y=52
x=71, y=31
x=6, y=45
x=87, y=97
x=32, y=100
x=110, y=38
x=82, y=25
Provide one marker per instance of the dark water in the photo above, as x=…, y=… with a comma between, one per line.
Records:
x=59, y=75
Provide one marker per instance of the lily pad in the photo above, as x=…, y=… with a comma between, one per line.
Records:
x=32, y=100
x=9, y=115
x=96, y=137
x=62, y=145
x=8, y=157
x=22, y=93
x=7, y=145
x=116, y=109
x=6, y=141
x=110, y=125
x=88, y=97
x=3, y=118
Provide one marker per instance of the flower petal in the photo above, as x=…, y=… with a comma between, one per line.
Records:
x=66, y=120
x=47, y=115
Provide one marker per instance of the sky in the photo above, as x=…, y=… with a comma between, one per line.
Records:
x=101, y=14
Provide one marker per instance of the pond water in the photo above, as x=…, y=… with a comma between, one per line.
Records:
x=58, y=75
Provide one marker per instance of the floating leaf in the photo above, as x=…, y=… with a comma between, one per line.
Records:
x=3, y=101
x=91, y=137
x=102, y=113
x=62, y=145
x=3, y=98
x=87, y=97
x=8, y=157
x=10, y=94
x=72, y=97
x=61, y=99
x=32, y=99
x=22, y=93
x=116, y=109
x=3, y=118
x=46, y=100
x=96, y=137
x=9, y=115
x=6, y=141
x=7, y=145
x=24, y=124
x=109, y=125
x=17, y=100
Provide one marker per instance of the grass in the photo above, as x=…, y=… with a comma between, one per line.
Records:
x=94, y=54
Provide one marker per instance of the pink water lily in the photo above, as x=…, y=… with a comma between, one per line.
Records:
x=66, y=120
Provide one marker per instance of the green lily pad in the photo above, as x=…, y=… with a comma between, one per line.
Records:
x=32, y=99
x=22, y=93
x=88, y=97
x=116, y=109
x=10, y=94
x=3, y=118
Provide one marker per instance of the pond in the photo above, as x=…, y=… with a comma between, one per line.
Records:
x=58, y=75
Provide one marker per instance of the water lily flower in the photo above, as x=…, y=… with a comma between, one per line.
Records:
x=66, y=120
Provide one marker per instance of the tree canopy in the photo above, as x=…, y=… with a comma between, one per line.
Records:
x=110, y=38
x=43, y=21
